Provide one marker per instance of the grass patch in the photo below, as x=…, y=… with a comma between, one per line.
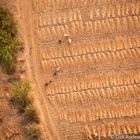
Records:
x=33, y=131
x=20, y=96
x=8, y=41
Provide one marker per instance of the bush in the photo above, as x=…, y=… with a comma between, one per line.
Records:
x=20, y=95
x=8, y=41
x=33, y=131
x=7, y=22
x=31, y=114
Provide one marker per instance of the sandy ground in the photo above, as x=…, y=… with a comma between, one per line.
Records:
x=96, y=91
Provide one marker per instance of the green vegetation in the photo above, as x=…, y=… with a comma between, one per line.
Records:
x=20, y=95
x=31, y=114
x=20, y=98
x=8, y=41
x=33, y=131
x=9, y=46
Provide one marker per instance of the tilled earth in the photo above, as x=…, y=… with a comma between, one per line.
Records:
x=95, y=93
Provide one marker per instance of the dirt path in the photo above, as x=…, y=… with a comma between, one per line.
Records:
x=31, y=55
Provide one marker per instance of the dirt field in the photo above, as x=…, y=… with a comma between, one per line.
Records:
x=97, y=90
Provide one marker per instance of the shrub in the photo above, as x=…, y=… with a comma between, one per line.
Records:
x=33, y=131
x=8, y=41
x=7, y=22
x=20, y=95
x=31, y=114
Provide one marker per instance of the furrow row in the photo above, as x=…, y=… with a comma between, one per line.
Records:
x=112, y=111
x=93, y=81
x=93, y=96
x=104, y=45
x=65, y=17
x=93, y=59
x=118, y=10
x=67, y=4
x=87, y=69
x=61, y=4
x=59, y=18
x=79, y=28
x=117, y=127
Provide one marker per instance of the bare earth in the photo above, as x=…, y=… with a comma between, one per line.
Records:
x=96, y=93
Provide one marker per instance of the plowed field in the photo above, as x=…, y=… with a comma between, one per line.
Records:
x=96, y=93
